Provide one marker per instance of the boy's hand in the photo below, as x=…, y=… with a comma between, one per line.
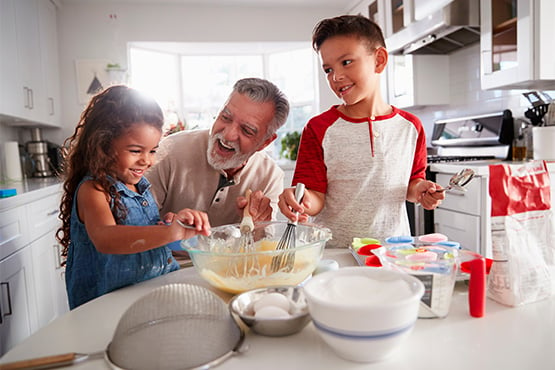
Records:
x=429, y=198
x=311, y=205
x=259, y=206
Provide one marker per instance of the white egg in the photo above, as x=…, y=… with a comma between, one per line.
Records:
x=271, y=312
x=273, y=299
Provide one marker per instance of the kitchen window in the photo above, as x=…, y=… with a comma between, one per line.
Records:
x=191, y=81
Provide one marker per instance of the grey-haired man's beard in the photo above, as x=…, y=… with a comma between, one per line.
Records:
x=220, y=163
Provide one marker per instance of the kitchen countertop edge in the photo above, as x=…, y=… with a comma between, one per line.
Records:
x=480, y=167
x=29, y=190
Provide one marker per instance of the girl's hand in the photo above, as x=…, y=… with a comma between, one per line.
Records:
x=197, y=219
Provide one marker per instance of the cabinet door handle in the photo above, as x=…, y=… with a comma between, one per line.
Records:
x=9, y=302
x=31, y=101
x=51, y=106
x=52, y=213
x=25, y=97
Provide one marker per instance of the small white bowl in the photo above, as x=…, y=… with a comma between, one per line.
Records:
x=363, y=313
x=242, y=305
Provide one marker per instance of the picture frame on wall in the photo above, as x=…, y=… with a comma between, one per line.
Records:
x=91, y=77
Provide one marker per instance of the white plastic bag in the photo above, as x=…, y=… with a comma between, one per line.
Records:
x=523, y=239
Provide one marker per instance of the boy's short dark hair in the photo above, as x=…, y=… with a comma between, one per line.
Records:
x=348, y=25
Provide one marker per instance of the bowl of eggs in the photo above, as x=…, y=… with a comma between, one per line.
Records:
x=273, y=311
x=236, y=262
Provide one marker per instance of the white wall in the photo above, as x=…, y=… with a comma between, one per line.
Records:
x=86, y=31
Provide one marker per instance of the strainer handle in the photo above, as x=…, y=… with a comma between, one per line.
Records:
x=48, y=362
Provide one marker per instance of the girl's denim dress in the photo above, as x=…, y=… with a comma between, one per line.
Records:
x=90, y=274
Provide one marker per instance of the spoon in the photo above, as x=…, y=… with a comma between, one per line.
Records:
x=459, y=180
x=191, y=227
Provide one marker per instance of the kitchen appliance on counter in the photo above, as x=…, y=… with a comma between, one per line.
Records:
x=38, y=150
x=479, y=137
x=484, y=138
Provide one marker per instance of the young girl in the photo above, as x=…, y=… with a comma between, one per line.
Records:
x=111, y=230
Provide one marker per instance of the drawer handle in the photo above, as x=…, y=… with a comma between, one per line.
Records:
x=2, y=315
x=52, y=213
x=58, y=256
x=455, y=192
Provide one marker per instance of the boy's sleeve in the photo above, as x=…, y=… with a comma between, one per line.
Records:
x=420, y=161
x=310, y=168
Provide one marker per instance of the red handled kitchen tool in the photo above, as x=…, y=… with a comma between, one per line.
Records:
x=477, y=288
x=478, y=267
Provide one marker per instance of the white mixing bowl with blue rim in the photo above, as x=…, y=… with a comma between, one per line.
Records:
x=364, y=313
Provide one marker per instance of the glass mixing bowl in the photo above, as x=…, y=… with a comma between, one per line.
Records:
x=224, y=262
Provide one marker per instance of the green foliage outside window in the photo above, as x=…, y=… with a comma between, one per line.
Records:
x=290, y=145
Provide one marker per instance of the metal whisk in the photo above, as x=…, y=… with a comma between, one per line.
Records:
x=288, y=240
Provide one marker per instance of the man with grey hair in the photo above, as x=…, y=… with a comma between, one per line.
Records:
x=210, y=170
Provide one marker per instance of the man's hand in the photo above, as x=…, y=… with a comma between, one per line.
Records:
x=259, y=206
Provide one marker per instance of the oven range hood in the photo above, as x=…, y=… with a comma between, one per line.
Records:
x=450, y=28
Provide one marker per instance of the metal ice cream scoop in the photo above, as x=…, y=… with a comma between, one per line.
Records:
x=459, y=180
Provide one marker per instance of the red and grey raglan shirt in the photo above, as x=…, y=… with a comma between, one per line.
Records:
x=363, y=166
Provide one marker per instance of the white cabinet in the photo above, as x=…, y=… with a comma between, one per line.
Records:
x=28, y=54
x=459, y=227
x=373, y=9
x=398, y=15
x=29, y=69
x=16, y=300
x=12, y=97
x=49, y=278
x=13, y=230
x=48, y=28
x=517, y=44
x=464, y=216
x=418, y=80
x=32, y=277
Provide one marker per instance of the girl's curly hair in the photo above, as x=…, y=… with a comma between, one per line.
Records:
x=88, y=152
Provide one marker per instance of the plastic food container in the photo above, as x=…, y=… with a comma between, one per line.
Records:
x=434, y=265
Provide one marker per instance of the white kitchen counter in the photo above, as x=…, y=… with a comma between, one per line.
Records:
x=505, y=338
x=480, y=167
x=29, y=190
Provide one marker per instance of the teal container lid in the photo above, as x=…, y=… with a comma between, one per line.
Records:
x=5, y=193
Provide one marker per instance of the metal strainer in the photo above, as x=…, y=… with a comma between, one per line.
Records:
x=176, y=326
